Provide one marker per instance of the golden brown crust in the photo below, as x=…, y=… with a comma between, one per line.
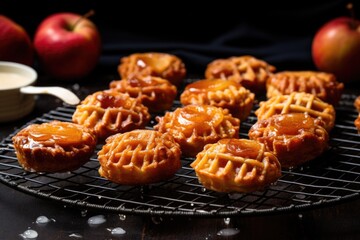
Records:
x=194, y=126
x=54, y=147
x=357, y=123
x=247, y=70
x=295, y=138
x=298, y=102
x=220, y=93
x=357, y=107
x=157, y=64
x=139, y=157
x=357, y=103
x=156, y=93
x=109, y=112
x=321, y=84
x=236, y=165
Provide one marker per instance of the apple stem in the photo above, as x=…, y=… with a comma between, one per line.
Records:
x=86, y=15
x=350, y=7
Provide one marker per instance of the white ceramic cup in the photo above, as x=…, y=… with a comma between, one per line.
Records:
x=13, y=103
x=17, y=95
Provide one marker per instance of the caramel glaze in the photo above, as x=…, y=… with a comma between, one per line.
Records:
x=108, y=100
x=220, y=93
x=155, y=64
x=242, y=148
x=139, y=157
x=109, y=112
x=249, y=71
x=321, y=84
x=156, y=93
x=207, y=85
x=54, y=147
x=236, y=165
x=193, y=126
x=294, y=138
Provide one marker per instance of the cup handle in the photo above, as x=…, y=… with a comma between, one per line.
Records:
x=64, y=94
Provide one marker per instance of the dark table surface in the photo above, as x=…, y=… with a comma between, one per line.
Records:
x=19, y=211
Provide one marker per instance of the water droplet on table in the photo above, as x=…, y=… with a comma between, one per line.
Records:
x=118, y=231
x=75, y=235
x=43, y=220
x=96, y=220
x=227, y=221
x=227, y=232
x=29, y=234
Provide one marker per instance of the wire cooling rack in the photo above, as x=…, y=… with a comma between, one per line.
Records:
x=329, y=179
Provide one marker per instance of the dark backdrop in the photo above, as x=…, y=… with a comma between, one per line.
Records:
x=280, y=33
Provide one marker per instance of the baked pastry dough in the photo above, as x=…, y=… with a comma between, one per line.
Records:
x=298, y=102
x=247, y=70
x=236, y=165
x=139, y=157
x=357, y=107
x=194, y=126
x=220, y=93
x=357, y=123
x=295, y=138
x=54, y=147
x=321, y=84
x=156, y=93
x=164, y=65
x=109, y=112
x=357, y=103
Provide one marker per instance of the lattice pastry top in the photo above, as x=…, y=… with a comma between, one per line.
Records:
x=109, y=112
x=156, y=93
x=323, y=85
x=295, y=138
x=164, y=65
x=220, y=93
x=139, y=157
x=298, y=102
x=236, y=165
x=193, y=126
x=54, y=146
x=247, y=70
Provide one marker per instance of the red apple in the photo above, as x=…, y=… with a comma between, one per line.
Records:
x=15, y=43
x=336, y=48
x=68, y=45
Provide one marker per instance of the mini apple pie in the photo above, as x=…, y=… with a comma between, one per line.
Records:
x=139, y=157
x=321, y=84
x=298, y=102
x=156, y=93
x=109, y=112
x=194, y=126
x=54, y=147
x=247, y=70
x=220, y=93
x=295, y=138
x=236, y=165
x=164, y=65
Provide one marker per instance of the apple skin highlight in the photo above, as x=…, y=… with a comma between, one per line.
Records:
x=67, y=47
x=336, y=48
x=15, y=44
